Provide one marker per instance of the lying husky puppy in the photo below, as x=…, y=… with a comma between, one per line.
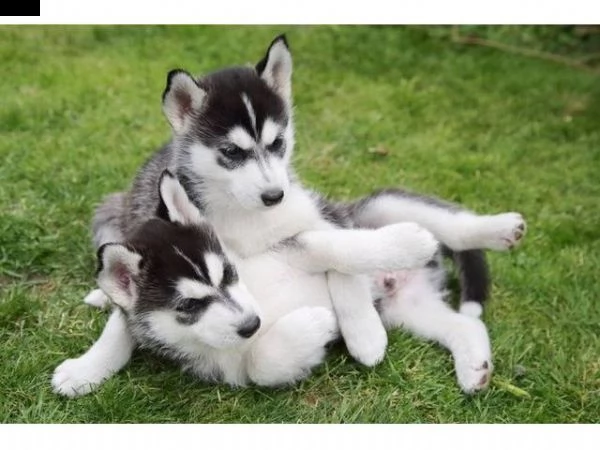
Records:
x=233, y=138
x=235, y=320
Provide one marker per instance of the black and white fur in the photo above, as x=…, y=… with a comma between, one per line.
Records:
x=265, y=319
x=231, y=150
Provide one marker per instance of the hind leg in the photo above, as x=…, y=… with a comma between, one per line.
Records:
x=292, y=347
x=462, y=232
x=456, y=228
x=418, y=306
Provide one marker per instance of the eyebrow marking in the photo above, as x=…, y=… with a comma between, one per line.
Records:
x=215, y=268
x=251, y=113
x=193, y=289
x=270, y=131
x=241, y=138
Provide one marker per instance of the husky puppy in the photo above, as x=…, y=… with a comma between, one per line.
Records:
x=233, y=138
x=184, y=295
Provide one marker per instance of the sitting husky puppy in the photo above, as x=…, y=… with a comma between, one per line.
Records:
x=233, y=138
x=236, y=320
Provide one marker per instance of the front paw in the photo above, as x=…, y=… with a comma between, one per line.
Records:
x=75, y=377
x=365, y=338
x=407, y=246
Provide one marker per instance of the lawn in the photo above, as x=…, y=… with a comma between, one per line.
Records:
x=375, y=107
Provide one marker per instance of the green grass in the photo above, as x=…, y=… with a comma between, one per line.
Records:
x=80, y=112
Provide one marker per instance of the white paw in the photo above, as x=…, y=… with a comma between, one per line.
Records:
x=97, y=298
x=366, y=339
x=406, y=245
x=502, y=231
x=472, y=356
x=75, y=377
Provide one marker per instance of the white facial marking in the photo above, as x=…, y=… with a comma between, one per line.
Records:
x=215, y=268
x=241, y=138
x=167, y=330
x=250, y=109
x=270, y=131
x=193, y=289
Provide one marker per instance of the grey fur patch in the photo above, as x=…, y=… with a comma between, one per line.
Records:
x=106, y=223
x=336, y=213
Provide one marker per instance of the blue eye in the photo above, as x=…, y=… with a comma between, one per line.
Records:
x=233, y=153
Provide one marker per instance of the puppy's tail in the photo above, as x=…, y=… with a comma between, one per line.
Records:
x=474, y=278
x=106, y=224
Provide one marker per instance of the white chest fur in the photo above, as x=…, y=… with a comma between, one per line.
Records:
x=280, y=288
x=250, y=233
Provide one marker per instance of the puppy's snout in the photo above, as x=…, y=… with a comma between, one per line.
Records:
x=249, y=327
x=272, y=197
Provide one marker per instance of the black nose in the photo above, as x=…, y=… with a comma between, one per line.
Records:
x=249, y=327
x=272, y=197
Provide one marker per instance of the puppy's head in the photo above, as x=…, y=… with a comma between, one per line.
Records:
x=234, y=128
x=174, y=281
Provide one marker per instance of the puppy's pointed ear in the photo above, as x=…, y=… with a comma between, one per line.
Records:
x=175, y=205
x=183, y=98
x=276, y=68
x=118, y=265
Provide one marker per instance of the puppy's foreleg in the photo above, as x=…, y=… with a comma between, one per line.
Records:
x=360, y=324
x=108, y=355
x=355, y=251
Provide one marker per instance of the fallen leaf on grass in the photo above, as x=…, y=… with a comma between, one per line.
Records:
x=379, y=150
x=511, y=388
